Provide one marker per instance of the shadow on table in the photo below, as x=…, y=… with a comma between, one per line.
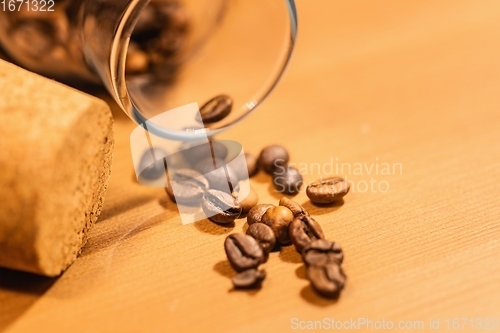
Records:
x=311, y=297
x=123, y=206
x=213, y=228
x=319, y=209
x=18, y=292
x=224, y=268
x=290, y=254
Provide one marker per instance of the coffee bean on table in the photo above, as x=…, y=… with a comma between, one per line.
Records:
x=303, y=230
x=243, y=252
x=327, y=280
x=288, y=180
x=220, y=206
x=250, y=168
x=220, y=175
x=327, y=190
x=215, y=109
x=252, y=164
x=272, y=158
x=152, y=165
x=186, y=186
x=264, y=235
x=255, y=214
x=296, y=209
x=249, y=279
x=321, y=252
x=247, y=202
x=279, y=219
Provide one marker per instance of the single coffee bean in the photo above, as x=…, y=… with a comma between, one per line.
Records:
x=247, y=202
x=252, y=164
x=327, y=280
x=137, y=61
x=279, y=219
x=35, y=37
x=170, y=41
x=264, y=235
x=220, y=206
x=273, y=157
x=321, y=252
x=196, y=152
x=174, y=13
x=249, y=279
x=152, y=165
x=220, y=175
x=328, y=190
x=255, y=214
x=215, y=109
x=186, y=186
x=296, y=209
x=288, y=180
x=303, y=230
x=245, y=166
x=243, y=252
x=146, y=22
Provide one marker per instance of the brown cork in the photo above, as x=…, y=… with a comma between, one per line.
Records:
x=56, y=149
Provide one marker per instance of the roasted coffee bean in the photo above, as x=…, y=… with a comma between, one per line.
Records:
x=252, y=164
x=255, y=214
x=161, y=32
x=321, y=252
x=220, y=175
x=303, y=230
x=243, y=252
x=247, y=202
x=329, y=190
x=152, y=165
x=264, y=235
x=147, y=21
x=327, y=280
x=186, y=186
x=35, y=37
x=169, y=42
x=220, y=206
x=197, y=152
x=296, y=209
x=273, y=157
x=249, y=279
x=137, y=61
x=245, y=166
x=287, y=180
x=279, y=219
x=215, y=109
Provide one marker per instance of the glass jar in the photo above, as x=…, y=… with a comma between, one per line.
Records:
x=155, y=56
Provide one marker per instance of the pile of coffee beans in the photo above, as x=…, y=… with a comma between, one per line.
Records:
x=271, y=227
x=207, y=177
x=157, y=39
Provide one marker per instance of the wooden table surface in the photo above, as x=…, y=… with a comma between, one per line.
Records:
x=414, y=85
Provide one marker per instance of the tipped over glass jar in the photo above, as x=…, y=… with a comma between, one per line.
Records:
x=155, y=56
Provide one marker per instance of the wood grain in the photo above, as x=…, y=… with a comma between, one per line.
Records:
x=413, y=83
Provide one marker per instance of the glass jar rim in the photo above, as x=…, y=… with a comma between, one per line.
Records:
x=122, y=96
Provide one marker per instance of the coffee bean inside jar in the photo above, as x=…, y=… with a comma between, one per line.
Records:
x=50, y=41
